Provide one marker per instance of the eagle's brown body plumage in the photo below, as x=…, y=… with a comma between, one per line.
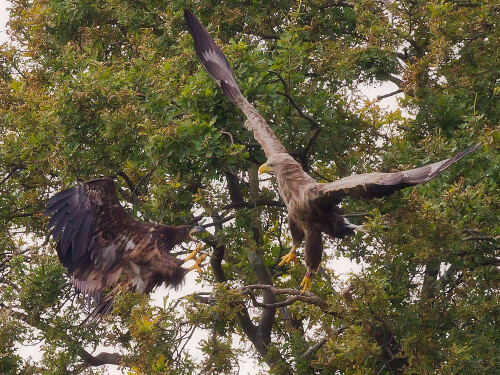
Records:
x=105, y=249
x=312, y=206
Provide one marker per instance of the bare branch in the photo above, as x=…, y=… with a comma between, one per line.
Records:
x=337, y=3
x=314, y=348
x=296, y=295
x=127, y=179
x=16, y=215
x=313, y=122
x=398, y=91
x=9, y=175
x=397, y=81
x=285, y=85
x=146, y=176
x=360, y=214
x=228, y=134
x=219, y=221
x=258, y=202
x=104, y=358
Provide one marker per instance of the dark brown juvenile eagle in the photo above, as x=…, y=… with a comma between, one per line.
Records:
x=104, y=248
x=312, y=206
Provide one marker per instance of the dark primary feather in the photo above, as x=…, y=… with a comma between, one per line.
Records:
x=211, y=57
x=105, y=249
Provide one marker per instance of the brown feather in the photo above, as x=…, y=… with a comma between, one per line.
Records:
x=370, y=185
x=104, y=248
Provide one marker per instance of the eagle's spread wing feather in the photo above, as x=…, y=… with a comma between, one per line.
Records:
x=212, y=58
x=217, y=66
x=371, y=185
x=105, y=248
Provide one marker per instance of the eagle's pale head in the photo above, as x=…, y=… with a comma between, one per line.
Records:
x=278, y=164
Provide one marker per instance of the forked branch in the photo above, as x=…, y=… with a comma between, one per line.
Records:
x=293, y=296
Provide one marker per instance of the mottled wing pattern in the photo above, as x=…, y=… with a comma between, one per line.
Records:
x=104, y=248
x=89, y=223
x=211, y=57
x=370, y=185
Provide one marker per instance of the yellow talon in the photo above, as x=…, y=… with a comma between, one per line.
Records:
x=306, y=282
x=197, y=265
x=291, y=256
x=193, y=253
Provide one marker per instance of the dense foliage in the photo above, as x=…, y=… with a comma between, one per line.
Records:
x=113, y=88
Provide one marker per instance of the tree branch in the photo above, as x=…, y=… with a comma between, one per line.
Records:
x=258, y=202
x=146, y=176
x=104, y=358
x=243, y=316
x=314, y=125
x=313, y=349
x=219, y=221
x=312, y=121
x=9, y=174
x=127, y=179
x=482, y=238
x=387, y=77
x=296, y=295
x=285, y=85
x=398, y=91
x=15, y=215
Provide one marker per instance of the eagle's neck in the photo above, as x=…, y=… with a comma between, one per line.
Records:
x=293, y=182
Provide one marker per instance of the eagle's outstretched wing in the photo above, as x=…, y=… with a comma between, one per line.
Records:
x=371, y=185
x=217, y=66
x=105, y=248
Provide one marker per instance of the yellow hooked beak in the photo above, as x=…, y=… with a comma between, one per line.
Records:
x=264, y=168
x=197, y=229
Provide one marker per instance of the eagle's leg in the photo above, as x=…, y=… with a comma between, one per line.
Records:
x=306, y=283
x=290, y=257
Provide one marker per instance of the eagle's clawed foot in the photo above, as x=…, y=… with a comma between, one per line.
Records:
x=197, y=266
x=306, y=282
x=288, y=258
x=192, y=255
x=198, y=260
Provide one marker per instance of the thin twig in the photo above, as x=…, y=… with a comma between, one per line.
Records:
x=312, y=121
x=16, y=215
x=146, y=176
x=285, y=86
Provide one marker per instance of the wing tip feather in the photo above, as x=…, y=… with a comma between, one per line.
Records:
x=211, y=57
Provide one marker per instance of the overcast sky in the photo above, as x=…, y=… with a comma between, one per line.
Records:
x=4, y=17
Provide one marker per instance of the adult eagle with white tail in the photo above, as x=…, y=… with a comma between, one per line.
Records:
x=312, y=206
x=105, y=249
